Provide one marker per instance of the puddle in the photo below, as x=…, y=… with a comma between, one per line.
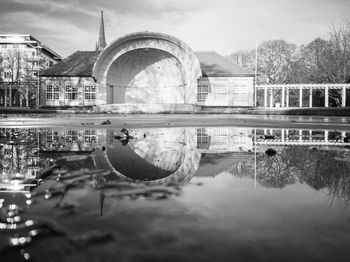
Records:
x=174, y=194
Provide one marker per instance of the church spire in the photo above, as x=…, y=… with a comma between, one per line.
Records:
x=101, y=38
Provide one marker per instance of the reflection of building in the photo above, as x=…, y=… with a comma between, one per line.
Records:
x=221, y=139
x=72, y=140
x=21, y=56
x=149, y=72
x=302, y=137
x=158, y=155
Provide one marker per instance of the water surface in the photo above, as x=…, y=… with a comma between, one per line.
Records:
x=174, y=194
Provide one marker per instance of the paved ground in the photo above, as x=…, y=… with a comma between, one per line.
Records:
x=94, y=121
x=300, y=111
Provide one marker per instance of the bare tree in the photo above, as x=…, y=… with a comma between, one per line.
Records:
x=275, y=58
x=339, y=52
x=243, y=58
x=19, y=71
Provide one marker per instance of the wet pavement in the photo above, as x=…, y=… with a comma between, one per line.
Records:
x=178, y=120
x=100, y=192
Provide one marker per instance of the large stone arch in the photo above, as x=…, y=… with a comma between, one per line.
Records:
x=129, y=66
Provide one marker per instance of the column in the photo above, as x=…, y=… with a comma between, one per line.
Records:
x=326, y=96
x=300, y=135
x=287, y=97
x=343, y=134
x=301, y=96
x=310, y=135
x=271, y=97
x=5, y=97
x=310, y=98
x=283, y=98
x=287, y=134
x=265, y=96
x=265, y=131
x=343, y=100
x=282, y=135
x=27, y=97
x=325, y=136
x=10, y=95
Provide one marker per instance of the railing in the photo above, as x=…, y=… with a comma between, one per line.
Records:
x=302, y=137
x=285, y=88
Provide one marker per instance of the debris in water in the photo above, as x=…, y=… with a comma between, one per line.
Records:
x=107, y=122
x=270, y=152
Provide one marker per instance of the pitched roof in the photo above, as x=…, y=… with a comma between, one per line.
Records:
x=213, y=64
x=79, y=63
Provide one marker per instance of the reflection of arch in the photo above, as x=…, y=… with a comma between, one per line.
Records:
x=125, y=161
x=148, y=49
x=183, y=168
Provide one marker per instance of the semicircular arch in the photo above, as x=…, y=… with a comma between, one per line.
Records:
x=149, y=40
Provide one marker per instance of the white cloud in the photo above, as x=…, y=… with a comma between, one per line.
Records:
x=221, y=25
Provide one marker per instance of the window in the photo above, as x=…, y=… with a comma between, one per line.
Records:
x=52, y=92
x=221, y=93
x=90, y=92
x=71, y=136
x=71, y=92
x=203, y=139
x=90, y=136
x=202, y=91
x=220, y=138
x=7, y=75
x=52, y=137
x=240, y=94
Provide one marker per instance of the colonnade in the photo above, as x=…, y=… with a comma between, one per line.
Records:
x=302, y=137
x=6, y=97
x=285, y=89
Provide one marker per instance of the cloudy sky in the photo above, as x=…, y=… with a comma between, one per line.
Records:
x=205, y=25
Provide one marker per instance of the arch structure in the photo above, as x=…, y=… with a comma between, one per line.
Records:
x=147, y=68
x=166, y=156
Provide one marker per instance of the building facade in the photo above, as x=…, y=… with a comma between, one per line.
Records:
x=145, y=71
x=223, y=83
x=21, y=58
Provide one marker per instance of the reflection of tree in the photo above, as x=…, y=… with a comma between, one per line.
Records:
x=320, y=169
x=274, y=171
x=325, y=169
x=17, y=152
